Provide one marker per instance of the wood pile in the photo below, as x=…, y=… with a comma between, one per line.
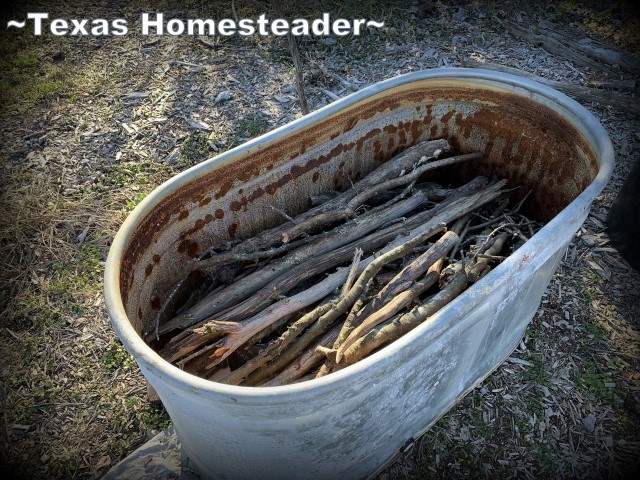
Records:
x=352, y=274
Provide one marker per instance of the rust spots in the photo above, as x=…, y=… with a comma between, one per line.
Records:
x=190, y=247
x=433, y=131
x=156, y=303
x=390, y=129
x=391, y=143
x=205, y=201
x=224, y=188
x=232, y=230
x=148, y=269
x=372, y=134
x=139, y=313
x=447, y=116
x=156, y=258
x=350, y=124
x=184, y=213
x=273, y=187
x=219, y=214
x=316, y=177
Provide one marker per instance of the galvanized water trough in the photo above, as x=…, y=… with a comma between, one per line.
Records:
x=348, y=424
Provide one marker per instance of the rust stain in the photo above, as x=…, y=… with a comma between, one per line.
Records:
x=205, y=201
x=232, y=230
x=156, y=258
x=148, y=269
x=273, y=187
x=184, y=213
x=190, y=247
x=201, y=222
x=219, y=214
x=156, y=303
x=316, y=177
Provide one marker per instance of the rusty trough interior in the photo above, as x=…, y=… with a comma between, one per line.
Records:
x=524, y=141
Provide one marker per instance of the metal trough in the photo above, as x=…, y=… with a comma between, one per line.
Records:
x=348, y=424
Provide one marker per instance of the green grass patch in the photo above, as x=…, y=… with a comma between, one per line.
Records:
x=249, y=127
x=27, y=75
x=194, y=148
x=596, y=384
x=116, y=356
x=537, y=372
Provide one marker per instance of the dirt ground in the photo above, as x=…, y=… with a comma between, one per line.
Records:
x=90, y=125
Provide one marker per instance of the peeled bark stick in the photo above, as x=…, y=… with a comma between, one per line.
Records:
x=455, y=209
x=410, y=177
x=347, y=210
x=400, y=282
x=276, y=346
x=377, y=312
x=404, y=323
x=357, y=256
x=212, y=304
x=373, y=268
x=409, y=321
x=196, y=362
x=480, y=265
x=387, y=311
x=305, y=362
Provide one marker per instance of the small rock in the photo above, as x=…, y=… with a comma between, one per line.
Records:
x=589, y=423
x=222, y=97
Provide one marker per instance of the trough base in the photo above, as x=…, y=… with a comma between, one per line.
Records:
x=161, y=458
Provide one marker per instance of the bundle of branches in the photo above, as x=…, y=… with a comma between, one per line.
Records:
x=343, y=279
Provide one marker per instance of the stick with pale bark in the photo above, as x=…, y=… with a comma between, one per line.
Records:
x=385, y=305
x=404, y=323
x=308, y=360
x=348, y=210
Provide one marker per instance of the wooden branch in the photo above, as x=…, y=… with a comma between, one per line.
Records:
x=410, y=177
x=305, y=362
x=353, y=271
x=375, y=313
x=276, y=347
x=347, y=210
x=297, y=63
x=404, y=323
x=552, y=46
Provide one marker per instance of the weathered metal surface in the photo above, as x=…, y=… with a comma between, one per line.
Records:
x=347, y=424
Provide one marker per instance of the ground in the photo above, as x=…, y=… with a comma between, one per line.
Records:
x=90, y=125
